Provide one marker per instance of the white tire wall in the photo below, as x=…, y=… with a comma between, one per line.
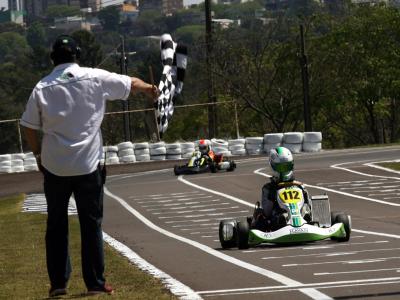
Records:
x=112, y=160
x=142, y=151
x=157, y=145
x=126, y=152
x=143, y=157
x=5, y=157
x=312, y=137
x=125, y=145
x=269, y=147
x=138, y=146
x=294, y=148
x=273, y=138
x=312, y=147
x=127, y=159
x=293, y=137
x=158, y=151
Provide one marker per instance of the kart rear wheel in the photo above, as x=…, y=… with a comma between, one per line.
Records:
x=176, y=170
x=243, y=229
x=232, y=166
x=345, y=219
x=227, y=234
x=213, y=167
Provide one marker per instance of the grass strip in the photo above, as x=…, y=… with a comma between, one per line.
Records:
x=23, y=272
x=391, y=165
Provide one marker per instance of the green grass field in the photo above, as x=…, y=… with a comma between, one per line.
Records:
x=23, y=273
x=392, y=165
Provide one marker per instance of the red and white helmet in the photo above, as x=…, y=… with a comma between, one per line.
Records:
x=204, y=148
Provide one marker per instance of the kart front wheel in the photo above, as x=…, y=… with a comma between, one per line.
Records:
x=227, y=233
x=243, y=229
x=345, y=219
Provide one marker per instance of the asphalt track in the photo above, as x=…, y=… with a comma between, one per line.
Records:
x=172, y=222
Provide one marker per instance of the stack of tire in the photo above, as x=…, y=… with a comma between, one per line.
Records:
x=111, y=155
x=126, y=154
x=142, y=151
x=5, y=163
x=293, y=141
x=174, y=151
x=17, y=162
x=272, y=141
x=237, y=146
x=254, y=145
x=220, y=147
x=158, y=151
x=30, y=163
x=187, y=149
x=312, y=141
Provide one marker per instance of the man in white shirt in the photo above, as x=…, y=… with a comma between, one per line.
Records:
x=68, y=107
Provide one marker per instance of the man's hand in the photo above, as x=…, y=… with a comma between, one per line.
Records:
x=154, y=93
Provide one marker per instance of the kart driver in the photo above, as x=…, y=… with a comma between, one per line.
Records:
x=270, y=216
x=205, y=150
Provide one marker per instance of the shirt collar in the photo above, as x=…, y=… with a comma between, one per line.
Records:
x=64, y=66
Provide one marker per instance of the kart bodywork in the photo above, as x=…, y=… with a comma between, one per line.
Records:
x=300, y=222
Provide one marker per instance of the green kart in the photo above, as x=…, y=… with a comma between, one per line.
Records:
x=300, y=222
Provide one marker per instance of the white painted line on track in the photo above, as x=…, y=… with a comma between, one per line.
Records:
x=349, y=262
x=358, y=271
x=280, y=249
x=176, y=287
x=338, y=166
x=331, y=254
x=314, y=294
x=320, y=285
x=286, y=281
x=373, y=165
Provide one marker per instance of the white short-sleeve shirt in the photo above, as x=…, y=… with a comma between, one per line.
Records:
x=68, y=105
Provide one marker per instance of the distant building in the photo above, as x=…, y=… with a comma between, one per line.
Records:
x=71, y=24
x=36, y=8
x=166, y=7
x=129, y=11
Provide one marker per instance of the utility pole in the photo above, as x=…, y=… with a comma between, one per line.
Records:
x=125, y=103
x=212, y=109
x=304, y=76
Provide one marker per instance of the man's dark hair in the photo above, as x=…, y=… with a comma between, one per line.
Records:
x=64, y=50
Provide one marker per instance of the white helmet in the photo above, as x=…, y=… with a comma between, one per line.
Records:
x=281, y=163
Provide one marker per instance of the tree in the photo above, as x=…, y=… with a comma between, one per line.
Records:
x=91, y=54
x=61, y=11
x=109, y=18
x=36, y=38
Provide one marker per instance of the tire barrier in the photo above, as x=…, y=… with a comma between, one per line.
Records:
x=128, y=152
x=174, y=151
x=254, y=145
x=272, y=140
x=220, y=147
x=158, y=151
x=293, y=141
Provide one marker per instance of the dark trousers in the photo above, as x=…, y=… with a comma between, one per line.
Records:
x=88, y=193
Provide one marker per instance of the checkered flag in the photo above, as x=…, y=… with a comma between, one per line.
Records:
x=174, y=60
